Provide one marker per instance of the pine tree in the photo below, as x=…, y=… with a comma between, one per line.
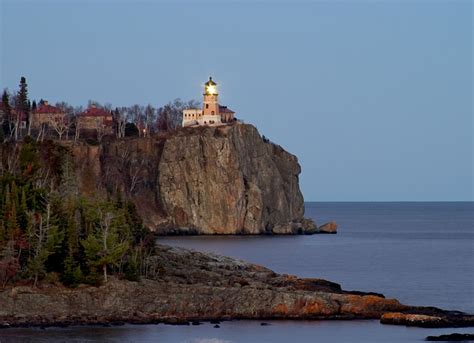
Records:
x=8, y=120
x=68, y=185
x=45, y=238
x=7, y=202
x=6, y=101
x=23, y=211
x=11, y=222
x=104, y=247
x=23, y=96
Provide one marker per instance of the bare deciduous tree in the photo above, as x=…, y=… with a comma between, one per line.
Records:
x=120, y=118
x=170, y=116
x=77, y=122
x=60, y=124
x=105, y=224
x=149, y=119
x=101, y=129
x=135, y=114
x=164, y=122
x=42, y=132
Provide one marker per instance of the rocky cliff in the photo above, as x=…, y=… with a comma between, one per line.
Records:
x=207, y=180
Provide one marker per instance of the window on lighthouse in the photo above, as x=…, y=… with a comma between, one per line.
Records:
x=207, y=105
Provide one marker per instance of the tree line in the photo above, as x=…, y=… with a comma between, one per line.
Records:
x=135, y=120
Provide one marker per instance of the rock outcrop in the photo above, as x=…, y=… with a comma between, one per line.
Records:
x=207, y=180
x=454, y=337
x=184, y=285
x=429, y=318
x=330, y=227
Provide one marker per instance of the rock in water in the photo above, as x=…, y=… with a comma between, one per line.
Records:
x=454, y=337
x=428, y=317
x=330, y=227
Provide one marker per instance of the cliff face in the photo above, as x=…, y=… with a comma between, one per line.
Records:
x=228, y=180
x=210, y=180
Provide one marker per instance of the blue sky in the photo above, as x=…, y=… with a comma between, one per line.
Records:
x=374, y=97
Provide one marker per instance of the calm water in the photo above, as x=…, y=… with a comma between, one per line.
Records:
x=419, y=253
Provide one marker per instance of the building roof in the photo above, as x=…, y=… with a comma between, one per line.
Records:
x=210, y=82
x=225, y=109
x=47, y=109
x=96, y=112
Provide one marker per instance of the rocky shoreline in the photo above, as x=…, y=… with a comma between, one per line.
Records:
x=185, y=286
x=306, y=227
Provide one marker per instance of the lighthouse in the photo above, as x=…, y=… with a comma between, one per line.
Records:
x=212, y=113
x=210, y=105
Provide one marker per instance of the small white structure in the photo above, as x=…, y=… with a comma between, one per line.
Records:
x=212, y=113
x=191, y=116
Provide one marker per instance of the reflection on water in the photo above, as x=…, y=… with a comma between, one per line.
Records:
x=231, y=332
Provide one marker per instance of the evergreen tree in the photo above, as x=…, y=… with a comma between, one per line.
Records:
x=23, y=102
x=23, y=211
x=6, y=101
x=29, y=158
x=44, y=237
x=68, y=185
x=8, y=121
x=105, y=247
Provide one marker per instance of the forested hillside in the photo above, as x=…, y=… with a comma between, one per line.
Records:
x=49, y=230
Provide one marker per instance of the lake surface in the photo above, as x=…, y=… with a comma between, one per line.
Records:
x=419, y=253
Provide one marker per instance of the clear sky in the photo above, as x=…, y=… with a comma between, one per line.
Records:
x=374, y=97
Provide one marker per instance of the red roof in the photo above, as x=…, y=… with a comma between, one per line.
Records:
x=46, y=109
x=224, y=109
x=96, y=112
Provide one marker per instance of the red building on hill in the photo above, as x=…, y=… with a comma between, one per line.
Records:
x=96, y=118
x=46, y=114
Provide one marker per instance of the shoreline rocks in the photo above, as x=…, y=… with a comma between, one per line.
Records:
x=428, y=317
x=186, y=286
x=454, y=337
x=304, y=227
